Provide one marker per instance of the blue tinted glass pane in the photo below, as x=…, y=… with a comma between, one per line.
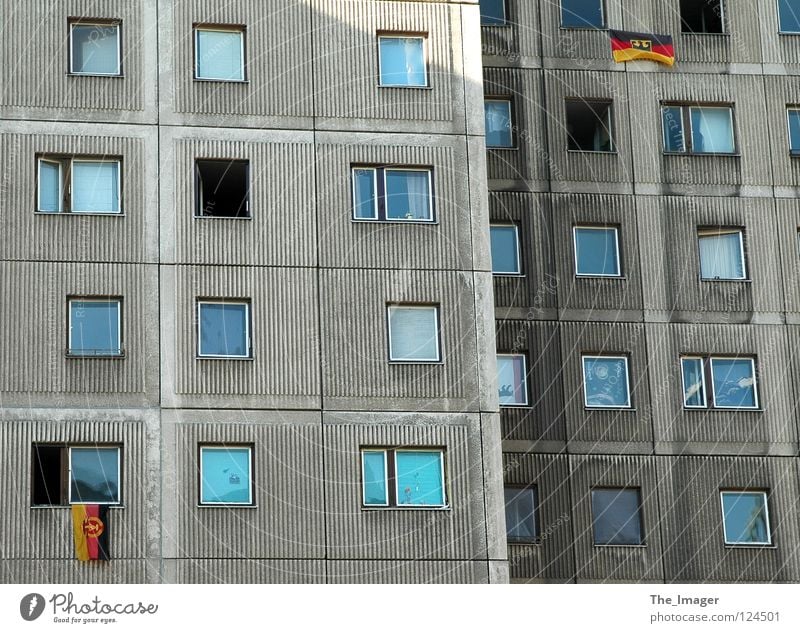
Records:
x=402, y=61
x=511, y=380
x=596, y=251
x=95, y=49
x=789, y=16
x=497, y=115
x=616, y=518
x=408, y=195
x=413, y=334
x=693, y=391
x=582, y=13
x=721, y=256
x=219, y=55
x=520, y=514
x=419, y=478
x=712, y=131
x=493, y=12
x=364, y=194
x=794, y=131
x=734, y=382
x=606, y=382
x=49, y=187
x=672, y=122
x=94, y=476
x=505, y=257
x=745, y=517
x=374, y=478
x=223, y=329
x=226, y=475
x=94, y=328
x=95, y=187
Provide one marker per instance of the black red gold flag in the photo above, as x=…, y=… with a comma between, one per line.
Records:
x=627, y=46
x=90, y=531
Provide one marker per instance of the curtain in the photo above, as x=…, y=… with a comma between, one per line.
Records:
x=414, y=334
x=693, y=394
x=721, y=256
x=497, y=115
x=219, y=55
x=402, y=61
x=95, y=187
x=407, y=195
x=225, y=475
x=712, y=130
x=374, y=477
x=49, y=187
x=419, y=478
x=95, y=49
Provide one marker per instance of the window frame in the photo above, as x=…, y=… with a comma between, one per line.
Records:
x=686, y=124
x=425, y=57
x=524, y=357
x=603, y=18
x=198, y=189
x=120, y=335
x=95, y=22
x=610, y=124
x=61, y=190
x=640, y=513
x=753, y=370
x=793, y=153
x=745, y=491
x=247, y=323
x=778, y=16
x=618, y=254
x=66, y=171
x=437, y=322
x=704, y=383
x=379, y=193
x=710, y=231
x=629, y=404
x=537, y=537
x=505, y=22
x=391, y=483
x=386, y=486
x=512, y=127
x=72, y=185
x=220, y=28
x=723, y=18
x=117, y=448
x=505, y=225
x=222, y=446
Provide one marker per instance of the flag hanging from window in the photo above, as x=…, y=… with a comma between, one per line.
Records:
x=90, y=531
x=627, y=46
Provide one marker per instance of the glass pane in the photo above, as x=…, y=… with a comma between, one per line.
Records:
x=419, y=478
x=734, y=382
x=402, y=61
x=94, y=475
x=95, y=49
x=497, y=115
x=721, y=256
x=95, y=187
x=606, y=382
x=94, y=328
x=672, y=122
x=219, y=55
x=413, y=334
x=225, y=475
x=511, y=381
x=364, y=194
x=789, y=16
x=712, y=131
x=408, y=195
x=615, y=517
x=596, y=251
x=505, y=256
x=223, y=329
x=582, y=13
x=374, y=463
x=49, y=187
x=745, y=517
x=493, y=12
x=693, y=390
x=794, y=131
x=520, y=514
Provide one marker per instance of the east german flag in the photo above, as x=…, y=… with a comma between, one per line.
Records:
x=90, y=530
x=626, y=46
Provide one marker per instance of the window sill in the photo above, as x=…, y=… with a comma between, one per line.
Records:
x=228, y=506
x=221, y=217
x=512, y=541
x=112, y=214
x=236, y=358
x=111, y=506
x=693, y=33
x=205, y=80
x=68, y=354
x=725, y=280
x=582, y=28
x=405, y=87
x=515, y=406
x=630, y=545
x=503, y=25
x=716, y=154
x=416, y=362
x=750, y=546
x=617, y=277
x=392, y=221
x=110, y=76
x=725, y=409
x=506, y=148
x=611, y=152
x=511, y=275
x=586, y=408
x=406, y=508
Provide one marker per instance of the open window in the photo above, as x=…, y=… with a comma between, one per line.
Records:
x=63, y=474
x=223, y=188
x=589, y=125
x=702, y=16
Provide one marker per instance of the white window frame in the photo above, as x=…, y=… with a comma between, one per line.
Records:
x=117, y=25
x=374, y=175
x=703, y=382
x=116, y=300
x=60, y=166
x=752, y=362
x=441, y=474
x=219, y=29
x=118, y=500
x=425, y=60
x=615, y=229
x=627, y=404
x=778, y=17
x=248, y=352
x=764, y=496
x=364, y=503
x=227, y=447
x=509, y=225
x=710, y=232
x=729, y=108
x=430, y=219
x=688, y=148
x=789, y=109
x=415, y=361
x=72, y=186
x=524, y=380
x=510, y=121
x=602, y=27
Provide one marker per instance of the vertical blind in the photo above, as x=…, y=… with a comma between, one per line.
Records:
x=413, y=333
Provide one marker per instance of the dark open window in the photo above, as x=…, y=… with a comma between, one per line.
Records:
x=702, y=16
x=223, y=189
x=589, y=126
x=49, y=474
x=63, y=474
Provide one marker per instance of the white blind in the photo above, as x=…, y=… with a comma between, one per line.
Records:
x=413, y=333
x=219, y=55
x=95, y=187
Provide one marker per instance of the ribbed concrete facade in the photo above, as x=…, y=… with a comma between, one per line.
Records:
x=319, y=385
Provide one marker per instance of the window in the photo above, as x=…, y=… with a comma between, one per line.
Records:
x=78, y=185
x=499, y=129
x=521, y=506
x=605, y=382
x=402, y=61
x=402, y=477
x=65, y=475
x=223, y=329
x=721, y=253
x=226, y=475
x=745, y=517
x=710, y=129
x=223, y=189
x=789, y=16
x=793, y=114
x=589, y=126
x=596, y=251
x=732, y=380
x=95, y=327
x=505, y=249
x=95, y=48
x=392, y=194
x=493, y=12
x=702, y=16
x=414, y=333
x=219, y=53
x=582, y=14
x=512, y=380
x=616, y=516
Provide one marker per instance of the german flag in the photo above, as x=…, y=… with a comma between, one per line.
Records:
x=627, y=46
x=90, y=530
